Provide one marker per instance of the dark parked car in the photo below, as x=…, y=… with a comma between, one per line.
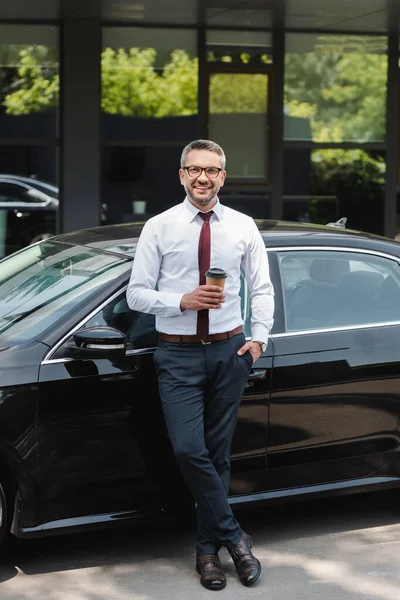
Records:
x=28, y=212
x=82, y=439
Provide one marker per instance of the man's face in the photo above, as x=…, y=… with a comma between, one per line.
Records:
x=202, y=189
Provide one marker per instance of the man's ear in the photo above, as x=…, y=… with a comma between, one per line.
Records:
x=181, y=176
x=223, y=178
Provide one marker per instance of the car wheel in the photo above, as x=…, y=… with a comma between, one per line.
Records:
x=7, y=539
x=40, y=237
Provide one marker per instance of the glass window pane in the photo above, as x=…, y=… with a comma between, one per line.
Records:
x=238, y=111
x=21, y=9
x=152, y=11
x=223, y=14
x=28, y=195
x=322, y=186
x=239, y=47
x=335, y=88
x=149, y=84
x=338, y=289
x=343, y=15
x=135, y=180
x=252, y=200
x=29, y=80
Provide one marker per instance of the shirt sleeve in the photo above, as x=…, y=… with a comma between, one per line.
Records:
x=256, y=269
x=141, y=293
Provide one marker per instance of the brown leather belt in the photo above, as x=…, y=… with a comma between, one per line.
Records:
x=195, y=339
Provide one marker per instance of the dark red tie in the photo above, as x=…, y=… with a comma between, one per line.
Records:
x=204, y=265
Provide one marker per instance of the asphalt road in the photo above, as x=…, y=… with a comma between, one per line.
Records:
x=343, y=549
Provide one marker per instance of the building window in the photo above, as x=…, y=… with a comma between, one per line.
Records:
x=139, y=181
x=149, y=81
x=29, y=81
x=335, y=88
x=323, y=185
x=29, y=96
x=239, y=47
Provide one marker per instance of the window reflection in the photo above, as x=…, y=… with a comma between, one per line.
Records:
x=135, y=180
x=321, y=186
x=149, y=83
x=238, y=111
x=335, y=88
x=239, y=47
x=28, y=196
x=29, y=81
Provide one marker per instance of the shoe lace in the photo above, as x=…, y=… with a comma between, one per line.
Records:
x=210, y=559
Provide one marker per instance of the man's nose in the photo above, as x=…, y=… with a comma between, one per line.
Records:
x=202, y=177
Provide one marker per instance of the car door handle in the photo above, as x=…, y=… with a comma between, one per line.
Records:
x=256, y=375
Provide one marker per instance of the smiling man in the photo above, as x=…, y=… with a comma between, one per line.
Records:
x=202, y=357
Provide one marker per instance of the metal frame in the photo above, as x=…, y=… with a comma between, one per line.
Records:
x=214, y=68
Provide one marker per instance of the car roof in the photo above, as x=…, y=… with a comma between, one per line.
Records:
x=122, y=237
x=32, y=181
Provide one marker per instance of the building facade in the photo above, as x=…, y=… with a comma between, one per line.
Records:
x=98, y=98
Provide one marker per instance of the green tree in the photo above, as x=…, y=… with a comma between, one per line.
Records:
x=357, y=179
x=133, y=85
x=37, y=84
x=238, y=93
x=340, y=87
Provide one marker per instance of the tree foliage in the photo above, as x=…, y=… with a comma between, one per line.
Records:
x=341, y=93
x=357, y=179
x=37, y=86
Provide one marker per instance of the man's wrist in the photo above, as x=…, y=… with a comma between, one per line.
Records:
x=263, y=345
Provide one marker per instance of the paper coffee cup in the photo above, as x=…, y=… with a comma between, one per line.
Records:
x=216, y=276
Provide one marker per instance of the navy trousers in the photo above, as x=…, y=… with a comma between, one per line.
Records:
x=201, y=387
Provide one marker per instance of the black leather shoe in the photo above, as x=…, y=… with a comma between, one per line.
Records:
x=212, y=576
x=247, y=566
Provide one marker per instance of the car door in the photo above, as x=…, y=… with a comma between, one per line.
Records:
x=248, y=453
x=335, y=396
x=103, y=445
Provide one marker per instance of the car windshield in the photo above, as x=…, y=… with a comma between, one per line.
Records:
x=42, y=283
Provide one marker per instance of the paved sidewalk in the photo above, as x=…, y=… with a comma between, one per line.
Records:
x=347, y=549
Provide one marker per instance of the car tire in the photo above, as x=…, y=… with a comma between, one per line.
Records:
x=7, y=540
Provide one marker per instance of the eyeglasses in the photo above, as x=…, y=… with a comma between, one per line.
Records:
x=211, y=172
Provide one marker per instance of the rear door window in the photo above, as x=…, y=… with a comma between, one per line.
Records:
x=324, y=289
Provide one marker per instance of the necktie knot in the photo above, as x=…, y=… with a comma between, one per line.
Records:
x=206, y=216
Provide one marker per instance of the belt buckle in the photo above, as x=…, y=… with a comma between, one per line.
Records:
x=205, y=343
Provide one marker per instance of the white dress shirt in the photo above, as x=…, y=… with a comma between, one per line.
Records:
x=166, y=267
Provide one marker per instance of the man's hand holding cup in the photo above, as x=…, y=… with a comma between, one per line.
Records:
x=208, y=296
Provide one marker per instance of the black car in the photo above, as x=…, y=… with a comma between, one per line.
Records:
x=82, y=438
x=28, y=212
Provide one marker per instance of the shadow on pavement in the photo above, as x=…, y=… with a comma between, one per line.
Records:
x=153, y=542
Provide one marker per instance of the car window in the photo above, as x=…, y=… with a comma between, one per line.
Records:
x=323, y=289
x=138, y=327
x=10, y=193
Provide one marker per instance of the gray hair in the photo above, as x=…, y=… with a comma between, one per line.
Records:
x=203, y=145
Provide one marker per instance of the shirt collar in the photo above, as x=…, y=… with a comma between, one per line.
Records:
x=192, y=211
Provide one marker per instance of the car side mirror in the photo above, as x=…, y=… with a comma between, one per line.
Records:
x=97, y=342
